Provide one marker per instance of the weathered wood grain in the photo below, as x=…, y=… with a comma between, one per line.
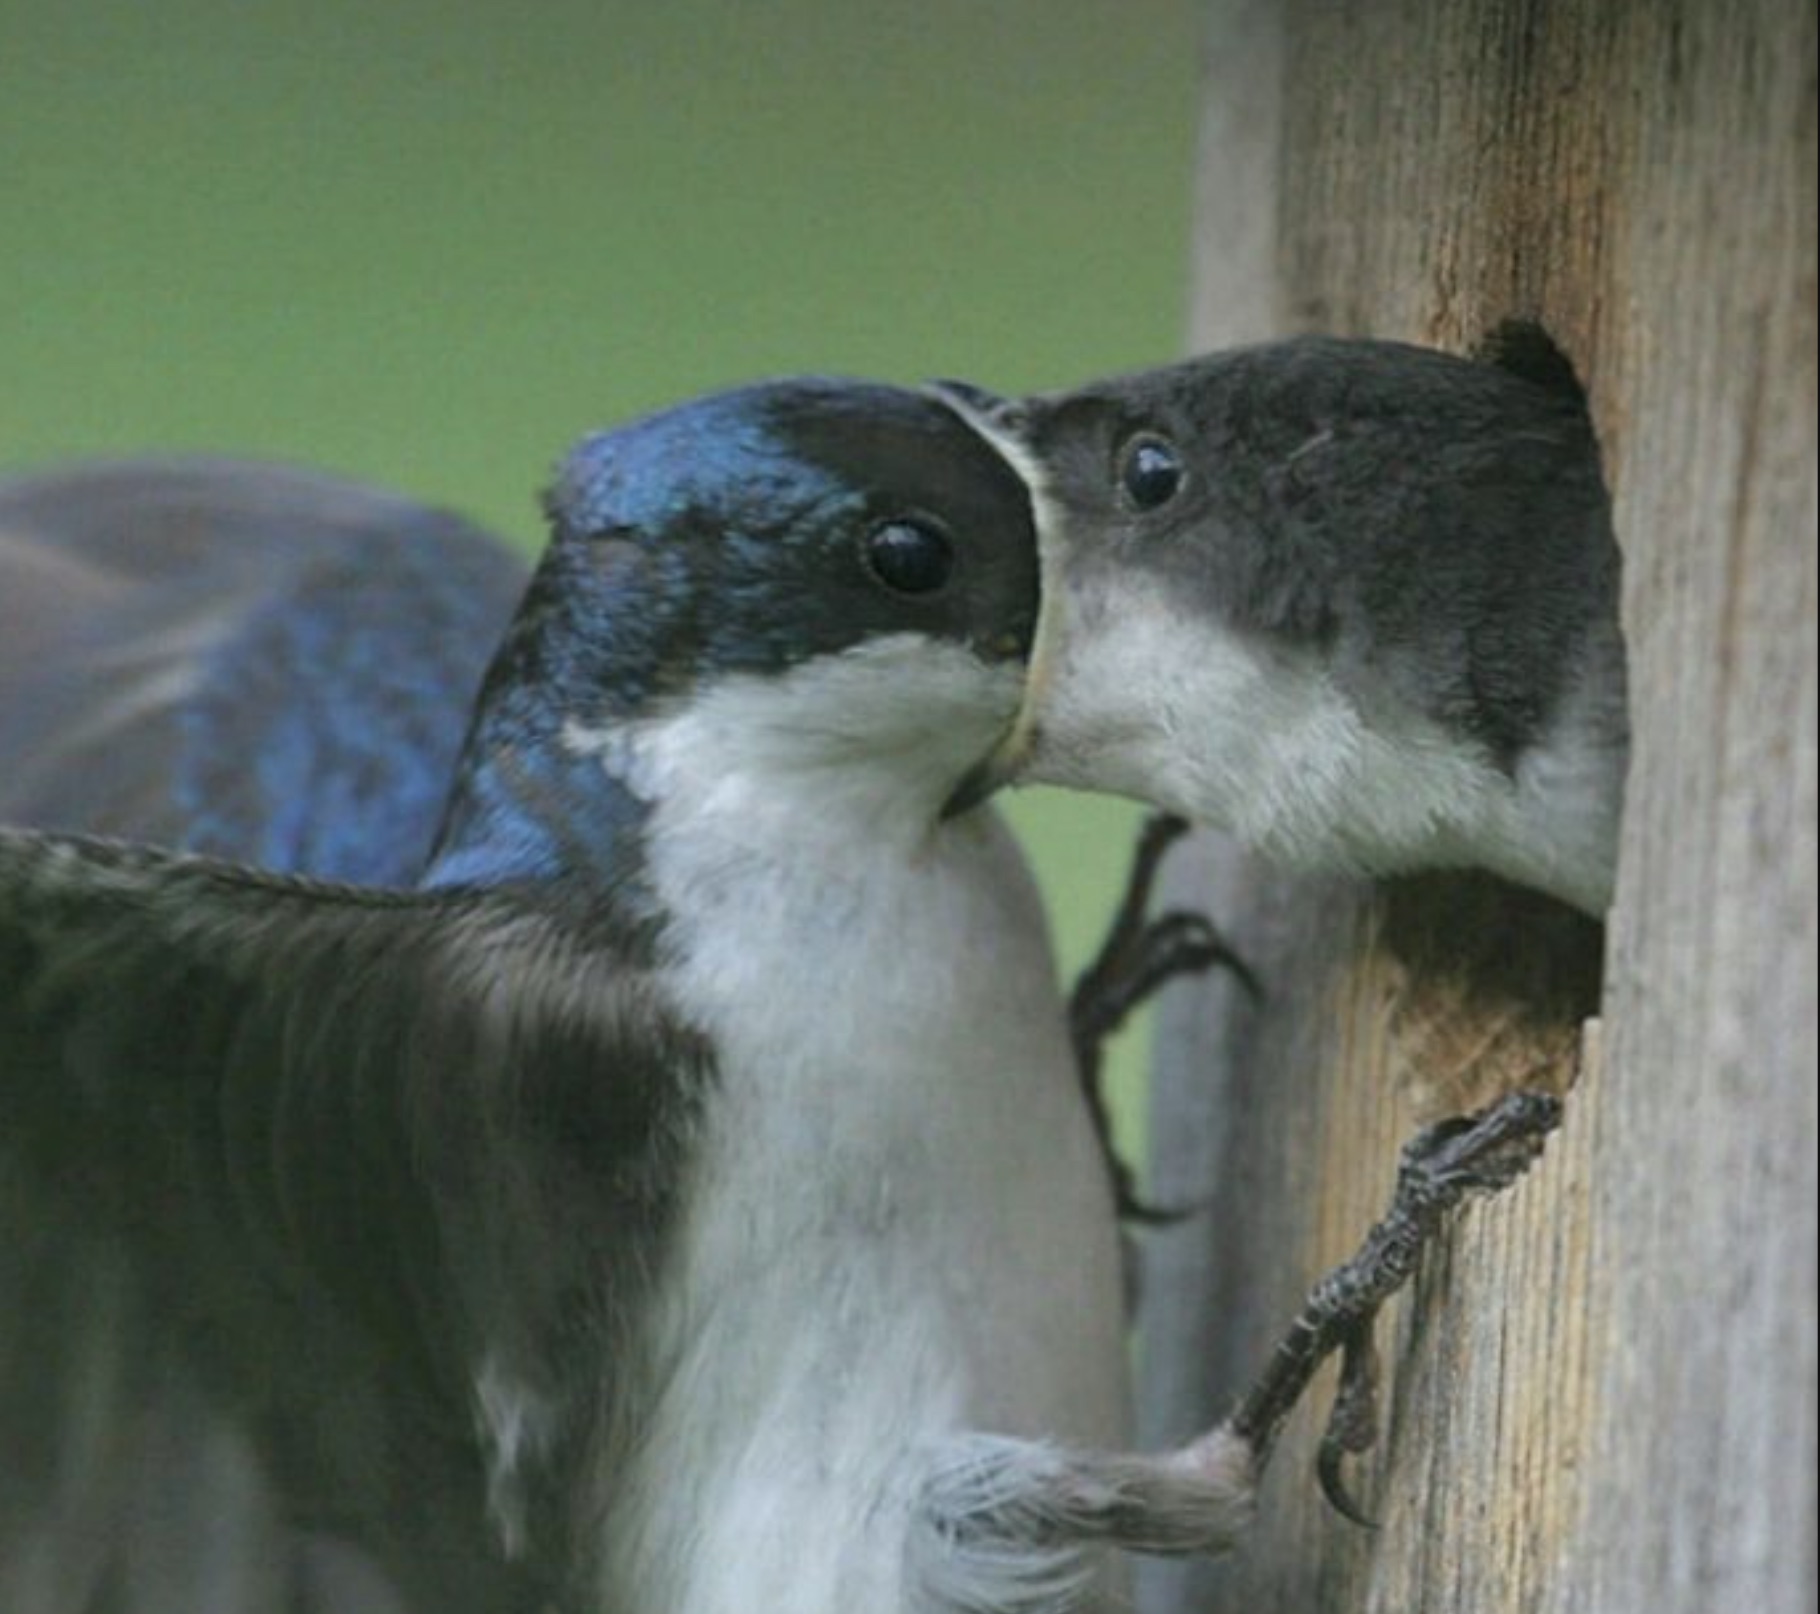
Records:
x=1602, y=1396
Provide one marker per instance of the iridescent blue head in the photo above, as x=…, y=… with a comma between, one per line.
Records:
x=755, y=529
x=850, y=567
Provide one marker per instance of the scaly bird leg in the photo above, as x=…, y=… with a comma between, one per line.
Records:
x=1483, y=1153
x=1138, y=957
x=1016, y=1515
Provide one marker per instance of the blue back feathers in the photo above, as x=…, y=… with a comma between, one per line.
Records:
x=248, y=660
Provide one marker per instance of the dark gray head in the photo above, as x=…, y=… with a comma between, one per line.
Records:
x=1326, y=593
x=813, y=577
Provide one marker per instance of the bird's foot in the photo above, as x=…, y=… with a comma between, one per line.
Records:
x=1017, y=1515
x=1482, y=1153
x=1138, y=957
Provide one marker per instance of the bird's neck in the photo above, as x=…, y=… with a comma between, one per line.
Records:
x=600, y=704
x=560, y=784
x=525, y=811
x=527, y=806
x=839, y=762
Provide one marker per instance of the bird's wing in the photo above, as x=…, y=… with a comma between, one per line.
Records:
x=300, y=1186
x=244, y=659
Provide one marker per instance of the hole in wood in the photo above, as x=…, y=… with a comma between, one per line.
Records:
x=1491, y=985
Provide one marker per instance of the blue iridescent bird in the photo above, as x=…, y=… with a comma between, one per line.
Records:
x=610, y=1143
x=655, y=1181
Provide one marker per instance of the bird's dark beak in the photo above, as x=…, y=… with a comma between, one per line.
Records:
x=1007, y=760
x=1002, y=423
x=983, y=780
x=994, y=417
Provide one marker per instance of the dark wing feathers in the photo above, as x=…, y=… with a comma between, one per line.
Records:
x=352, y=1147
x=255, y=1135
x=244, y=659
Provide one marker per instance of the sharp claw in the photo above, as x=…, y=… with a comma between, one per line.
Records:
x=1201, y=947
x=1484, y=1152
x=1329, y=1472
x=1352, y=1426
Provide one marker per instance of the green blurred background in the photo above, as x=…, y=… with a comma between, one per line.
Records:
x=428, y=242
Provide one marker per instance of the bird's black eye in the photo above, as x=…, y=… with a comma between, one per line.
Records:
x=910, y=556
x=1150, y=471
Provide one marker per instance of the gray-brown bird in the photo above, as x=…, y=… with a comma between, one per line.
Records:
x=1355, y=602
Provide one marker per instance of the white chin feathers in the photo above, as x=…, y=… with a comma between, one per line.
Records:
x=1145, y=699
x=885, y=729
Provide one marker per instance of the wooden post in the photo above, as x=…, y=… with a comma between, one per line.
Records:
x=1601, y=1397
